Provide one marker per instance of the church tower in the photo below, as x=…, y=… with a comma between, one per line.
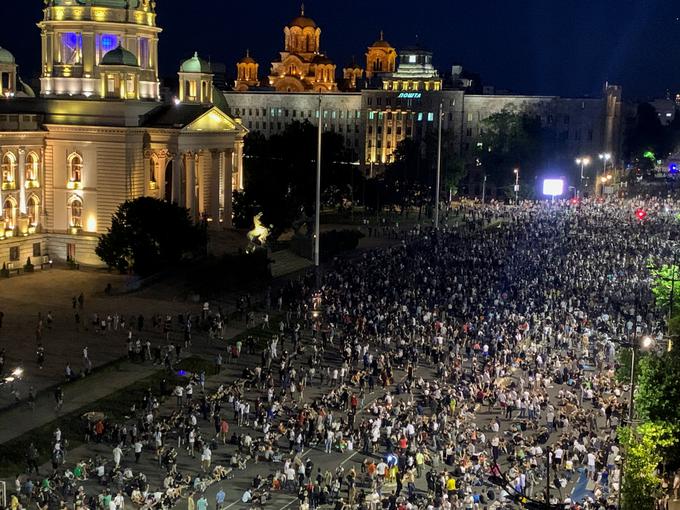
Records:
x=301, y=66
x=246, y=73
x=381, y=58
x=78, y=34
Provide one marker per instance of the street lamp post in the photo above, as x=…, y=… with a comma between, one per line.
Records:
x=484, y=190
x=439, y=168
x=583, y=162
x=317, y=214
x=516, y=172
x=605, y=157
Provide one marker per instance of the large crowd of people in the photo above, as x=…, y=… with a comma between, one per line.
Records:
x=465, y=368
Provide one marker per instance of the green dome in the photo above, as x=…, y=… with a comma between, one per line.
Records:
x=119, y=57
x=5, y=56
x=195, y=65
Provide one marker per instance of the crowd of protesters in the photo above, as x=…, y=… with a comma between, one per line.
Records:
x=464, y=368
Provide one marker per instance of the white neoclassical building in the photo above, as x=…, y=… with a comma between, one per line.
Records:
x=98, y=135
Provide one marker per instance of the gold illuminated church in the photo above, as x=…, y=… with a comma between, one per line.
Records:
x=97, y=133
x=302, y=67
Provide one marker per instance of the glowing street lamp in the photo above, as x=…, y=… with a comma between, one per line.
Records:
x=583, y=161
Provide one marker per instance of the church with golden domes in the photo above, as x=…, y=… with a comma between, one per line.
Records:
x=98, y=134
x=303, y=67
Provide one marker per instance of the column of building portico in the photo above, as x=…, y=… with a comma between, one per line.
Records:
x=214, y=184
x=239, y=163
x=190, y=183
x=177, y=169
x=21, y=181
x=227, y=188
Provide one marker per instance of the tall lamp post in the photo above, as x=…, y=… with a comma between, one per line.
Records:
x=516, y=172
x=439, y=168
x=583, y=161
x=317, y=213
x=605, y=158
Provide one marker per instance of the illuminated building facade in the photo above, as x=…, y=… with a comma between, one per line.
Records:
x=403, y=103
x=301, y=66
x=98, y=135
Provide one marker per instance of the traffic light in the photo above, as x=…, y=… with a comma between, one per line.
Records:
x=640, y=214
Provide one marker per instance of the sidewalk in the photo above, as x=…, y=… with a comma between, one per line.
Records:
x=19, y=420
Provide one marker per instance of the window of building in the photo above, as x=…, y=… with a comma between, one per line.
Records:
x=9, y=171
x=469, y=132
x=411, y=59
x=378, y=101
x=37, y=250
x=469, y=117
x=380, y=130
x=430, y=117
x=370, y=130
x=70, y=48
x=33, y=210
x=31, y=169
x=154, y=172
x=369, y=101
x=389, y=130
x=10, y=213
x=144, y=53
x=420, y=116
x=75, y=167
x=398, y=130
x=371, y=115
x=71, y=251
x=14, y=253
x=75, y=213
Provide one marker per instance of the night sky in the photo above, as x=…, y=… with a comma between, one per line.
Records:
x=565, y=47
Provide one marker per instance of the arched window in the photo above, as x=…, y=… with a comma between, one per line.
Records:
x=31, y=169
x=9, y=171
x=75, y=167
x=154, y=171
x=10, y=212
x=33, y=210
x=75, y=213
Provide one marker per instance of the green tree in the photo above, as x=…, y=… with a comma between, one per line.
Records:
x=666, y=279
x=515, y=139
x=280, y=175
x=644, y=450
x=148, y=235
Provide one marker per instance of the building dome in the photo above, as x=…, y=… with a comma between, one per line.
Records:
x=247, y=59
x=302, y=21
x=195, y=65
x=321, y=59
x=381, y=43
x=119, y=57
x=6, y=57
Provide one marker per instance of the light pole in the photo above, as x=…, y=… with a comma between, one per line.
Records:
x=604, y=157
x=516, y=172
x=439, y=168
x=583, y=161
x=317, y=213
x=484, y=189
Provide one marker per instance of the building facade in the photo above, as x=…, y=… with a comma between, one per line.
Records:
x=98, y=135
x=401, y=97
